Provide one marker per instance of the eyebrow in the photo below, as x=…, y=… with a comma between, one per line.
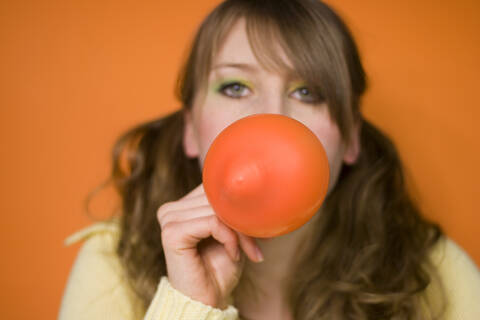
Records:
x=249, y=68
x=243, y=66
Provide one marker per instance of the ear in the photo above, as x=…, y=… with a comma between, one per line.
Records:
x=353, y=149
x=190, y=144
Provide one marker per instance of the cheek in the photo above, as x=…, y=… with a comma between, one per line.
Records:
x=206, y=135
x=336, y=162
x=318, y=120
x=208, y=129
x=331, y=140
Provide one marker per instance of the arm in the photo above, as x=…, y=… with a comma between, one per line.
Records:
x=97, y=287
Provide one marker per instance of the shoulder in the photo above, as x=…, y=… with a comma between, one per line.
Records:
x=450, y=260
x=97, y=258
x=104, y=233
x=98, y=284
x=459, y=278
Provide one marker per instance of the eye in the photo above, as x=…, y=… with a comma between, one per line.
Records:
x=234, y=89
x=306, y=95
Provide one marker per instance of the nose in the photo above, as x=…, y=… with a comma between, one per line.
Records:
x=273, y=102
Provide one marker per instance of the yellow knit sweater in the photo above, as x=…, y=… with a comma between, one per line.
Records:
x=97, y=287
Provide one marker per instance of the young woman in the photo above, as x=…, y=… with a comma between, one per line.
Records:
x=366, y=254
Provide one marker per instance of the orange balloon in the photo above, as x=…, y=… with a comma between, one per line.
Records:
x=266, y=175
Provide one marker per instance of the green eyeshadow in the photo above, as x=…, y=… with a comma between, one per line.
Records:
x=220, y=83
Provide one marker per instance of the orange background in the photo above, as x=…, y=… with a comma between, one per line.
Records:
x=74, y=75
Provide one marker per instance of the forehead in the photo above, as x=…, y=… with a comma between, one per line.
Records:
x=237, y=49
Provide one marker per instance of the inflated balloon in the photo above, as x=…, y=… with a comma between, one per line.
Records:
x=266, y=175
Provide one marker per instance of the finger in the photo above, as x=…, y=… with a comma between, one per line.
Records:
x=184, y=215
x=195, y=192
x=169, y=208
x=250, y=247
x=187, y=234
x=194, y=201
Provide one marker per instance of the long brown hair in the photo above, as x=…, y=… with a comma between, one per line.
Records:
x=370, y=256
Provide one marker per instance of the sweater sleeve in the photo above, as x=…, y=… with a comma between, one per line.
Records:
x=169, y=303
x=98, y=288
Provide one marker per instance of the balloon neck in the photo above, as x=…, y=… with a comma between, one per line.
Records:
x=244, y=181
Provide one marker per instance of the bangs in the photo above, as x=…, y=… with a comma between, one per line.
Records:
x=309, y=35
x=316, y=55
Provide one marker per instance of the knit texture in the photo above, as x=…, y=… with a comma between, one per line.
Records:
x=98, y=288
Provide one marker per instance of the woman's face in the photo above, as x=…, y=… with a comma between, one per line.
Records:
x=238, y=86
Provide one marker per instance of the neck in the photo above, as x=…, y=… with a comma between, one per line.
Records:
x=264, y=287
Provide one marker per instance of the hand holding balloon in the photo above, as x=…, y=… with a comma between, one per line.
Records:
x=202, y=254
x=266, y=175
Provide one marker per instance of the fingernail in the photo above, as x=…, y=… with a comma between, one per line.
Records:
x=259, y=255
x=237, y=255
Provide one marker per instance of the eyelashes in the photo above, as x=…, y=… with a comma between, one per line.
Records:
x=238, y=89
x=307, y=95
x=234, y=89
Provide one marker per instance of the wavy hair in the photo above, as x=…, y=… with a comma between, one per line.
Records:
x=370, y=256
